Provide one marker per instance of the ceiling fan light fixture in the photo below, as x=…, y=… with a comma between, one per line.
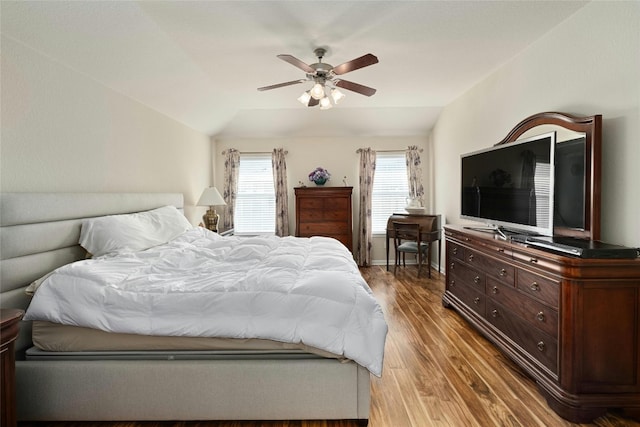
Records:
x=305, y=98
x=336, y=95
x=325, y=79
x=325, y=103
x=317, y=91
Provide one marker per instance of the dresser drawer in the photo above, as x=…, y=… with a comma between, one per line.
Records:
x=532, y=312
x=466, y=275
x=310, y=203
x=469, y=296
x=311, y=215
x=496, y=247
x=540, y=346
x=323, y=229
x=539, y=287
x=455, y=250
x=334, y=215
x=338, y=203
x=493, y=267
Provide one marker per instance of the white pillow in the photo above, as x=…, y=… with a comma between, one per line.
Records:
x=33, y=287
x=115, y=234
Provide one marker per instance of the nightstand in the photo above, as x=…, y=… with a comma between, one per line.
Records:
x=229, y=232
x=9, y=328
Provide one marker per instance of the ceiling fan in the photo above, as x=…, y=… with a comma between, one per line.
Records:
x=325, y=76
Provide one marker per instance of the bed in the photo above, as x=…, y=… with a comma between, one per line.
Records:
x=261, y=379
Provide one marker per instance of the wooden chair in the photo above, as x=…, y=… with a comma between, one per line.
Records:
x=407, y=240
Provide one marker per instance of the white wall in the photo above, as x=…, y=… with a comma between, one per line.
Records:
x=588, y=65
x=338, y=155
x=63, y=132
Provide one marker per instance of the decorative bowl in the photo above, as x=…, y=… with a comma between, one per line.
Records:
x=414, y=211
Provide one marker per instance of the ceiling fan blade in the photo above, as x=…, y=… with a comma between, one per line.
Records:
x=297, y=63
x=355, y=64
x=313, y=102
x=292, y=82
x=355, y=87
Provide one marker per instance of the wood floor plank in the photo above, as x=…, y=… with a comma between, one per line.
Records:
x=438, y=371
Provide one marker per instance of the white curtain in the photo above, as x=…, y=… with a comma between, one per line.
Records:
x=365, y=236
x=279, y=166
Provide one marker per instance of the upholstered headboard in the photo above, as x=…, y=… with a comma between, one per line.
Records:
x=39, y=232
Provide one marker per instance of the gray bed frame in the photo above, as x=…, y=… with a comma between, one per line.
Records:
x=39, y=232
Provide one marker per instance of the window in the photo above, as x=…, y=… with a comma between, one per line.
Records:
x=255, y=211
x=390, y=189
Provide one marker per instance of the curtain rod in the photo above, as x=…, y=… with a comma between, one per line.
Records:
x=389, y=151
x=254, y=152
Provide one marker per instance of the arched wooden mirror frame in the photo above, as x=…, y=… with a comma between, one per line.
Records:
x=591, y=127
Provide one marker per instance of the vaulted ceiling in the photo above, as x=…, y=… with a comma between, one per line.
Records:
x=201, y=62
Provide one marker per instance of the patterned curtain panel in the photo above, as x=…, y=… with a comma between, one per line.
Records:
x=365, y=239
x=230, y=190
x=414, y=174
x=279, y=164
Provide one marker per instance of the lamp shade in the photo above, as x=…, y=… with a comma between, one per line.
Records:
x=305, y=98
x=317, y=91
x=337, y=95
x=325, y=104
x=211, y=197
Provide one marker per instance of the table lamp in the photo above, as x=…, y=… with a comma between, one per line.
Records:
x=211, y=197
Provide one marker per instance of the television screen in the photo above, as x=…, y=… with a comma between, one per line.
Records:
x=511, y=185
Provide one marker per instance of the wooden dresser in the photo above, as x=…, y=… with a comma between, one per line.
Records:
x=325, y=211
x=572, y=324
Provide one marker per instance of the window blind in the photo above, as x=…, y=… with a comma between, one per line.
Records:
x=390, y=189
x=255, y=211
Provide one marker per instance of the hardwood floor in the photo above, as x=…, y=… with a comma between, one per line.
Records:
x=437, y=371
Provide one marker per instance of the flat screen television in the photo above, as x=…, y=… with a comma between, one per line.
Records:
x=511, y=186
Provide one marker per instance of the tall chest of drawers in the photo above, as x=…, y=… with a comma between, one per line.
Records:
x=572, y=324
x=325, y=211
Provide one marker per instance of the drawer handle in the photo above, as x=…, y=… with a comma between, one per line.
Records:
x=541, y=346
x=494, y=313
x=540, y=316
x=470, y=257
x=535, y=287
x=534, y=260
x=476, y=301
x=453, y=265
x=454, y=250
x=476, y=280
x=500, y=249
x=494, y=290
x=452, y=283
x=503, y=272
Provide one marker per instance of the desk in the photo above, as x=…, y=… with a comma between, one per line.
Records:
x=433, y=234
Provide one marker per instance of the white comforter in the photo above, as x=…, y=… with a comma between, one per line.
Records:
x=290, y=289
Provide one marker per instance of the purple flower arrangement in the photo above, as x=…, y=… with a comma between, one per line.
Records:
x=319, y=175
